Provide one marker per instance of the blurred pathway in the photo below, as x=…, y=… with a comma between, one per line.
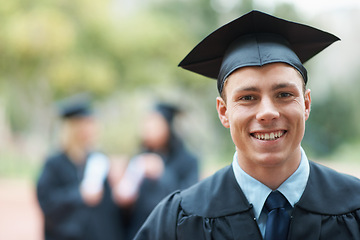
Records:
x=351, y=168
x=20, y=216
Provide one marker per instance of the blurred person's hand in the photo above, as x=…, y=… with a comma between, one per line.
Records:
x=118, y=165
x=95, y=173
x=91, y=198
x=126, y=193
x=148, y=165
x=127, y=182
x=152, y=164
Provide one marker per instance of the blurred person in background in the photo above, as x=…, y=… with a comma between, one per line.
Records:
x=72, y=189
x=163, y=166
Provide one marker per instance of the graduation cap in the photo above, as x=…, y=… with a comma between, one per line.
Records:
x=75, y=106
x=168, y=111
x=255, y=39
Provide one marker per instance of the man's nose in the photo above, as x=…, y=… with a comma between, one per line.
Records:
x=267, y=111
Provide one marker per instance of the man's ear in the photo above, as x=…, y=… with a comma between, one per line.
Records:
x=221, y=108
x=307, y=103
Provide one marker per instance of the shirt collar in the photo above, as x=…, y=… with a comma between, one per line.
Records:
x=256, y=192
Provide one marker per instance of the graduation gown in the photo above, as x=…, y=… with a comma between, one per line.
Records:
x=216, y=208
x=181, y=171
x=66, y=216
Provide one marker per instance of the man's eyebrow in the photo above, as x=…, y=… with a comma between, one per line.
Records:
x=283, y=85
x=249, y=89
x=274, y=88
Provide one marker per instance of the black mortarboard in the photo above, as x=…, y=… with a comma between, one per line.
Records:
x=168, y=111
x=255, y=39
x=75, y=106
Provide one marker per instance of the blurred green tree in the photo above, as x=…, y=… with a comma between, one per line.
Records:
x=51, y=49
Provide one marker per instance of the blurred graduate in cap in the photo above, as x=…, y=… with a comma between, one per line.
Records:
x=271, y=190
x=163, y=166
x=72, y=189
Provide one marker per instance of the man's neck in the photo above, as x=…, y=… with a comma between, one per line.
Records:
x=271, y=176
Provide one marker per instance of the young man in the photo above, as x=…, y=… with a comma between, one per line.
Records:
x=271, y=190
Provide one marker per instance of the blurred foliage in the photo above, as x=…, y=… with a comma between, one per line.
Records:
x=15, y=165
x=325, y=120
x=125, y=53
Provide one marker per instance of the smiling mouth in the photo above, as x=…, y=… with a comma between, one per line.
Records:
x=269, y=136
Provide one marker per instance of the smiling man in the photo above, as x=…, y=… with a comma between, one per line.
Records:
x=271, y=190
x=266, y=109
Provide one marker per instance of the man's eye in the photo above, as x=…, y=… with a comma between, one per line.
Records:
x=285, y=95
x=247, y=98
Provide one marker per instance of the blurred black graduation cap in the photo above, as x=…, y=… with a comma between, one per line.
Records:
x=75, y=106
x=255, y=39
x=168, y=111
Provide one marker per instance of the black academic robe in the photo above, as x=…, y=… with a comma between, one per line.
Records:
x=216, y=208
x=180, y=172
x=66, y=216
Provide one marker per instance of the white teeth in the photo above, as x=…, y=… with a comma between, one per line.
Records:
x=269, y=136
x=272, y=135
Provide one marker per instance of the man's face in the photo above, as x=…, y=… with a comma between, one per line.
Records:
x=266, y=110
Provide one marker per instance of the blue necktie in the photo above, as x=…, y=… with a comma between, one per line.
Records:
x=277, y=224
